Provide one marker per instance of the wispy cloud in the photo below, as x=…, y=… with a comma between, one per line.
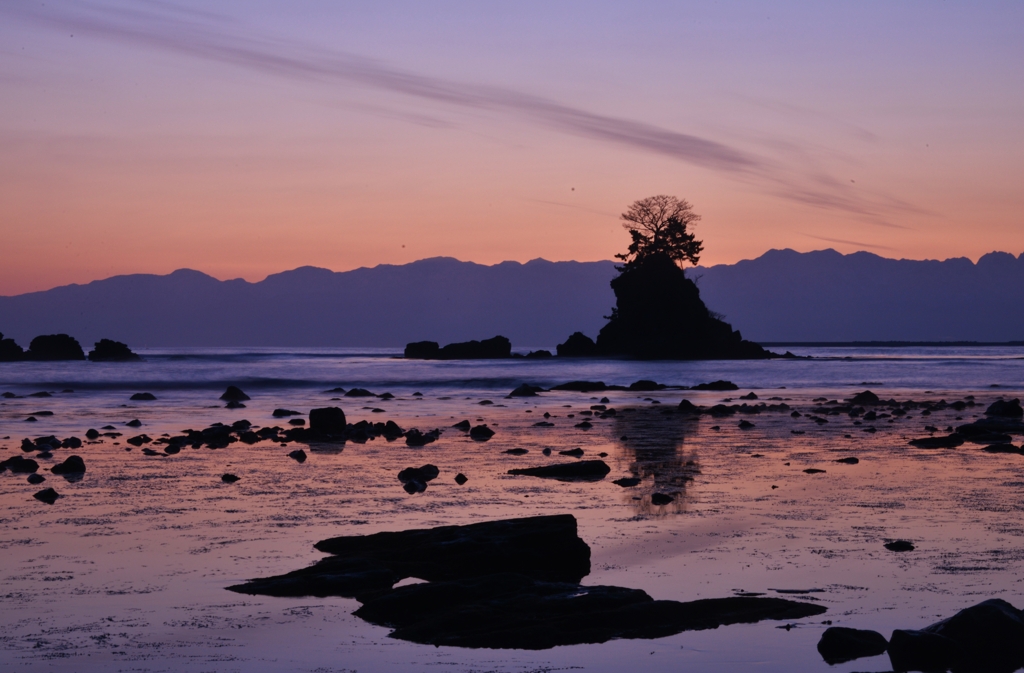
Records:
x=206, y=36
x=842, y=241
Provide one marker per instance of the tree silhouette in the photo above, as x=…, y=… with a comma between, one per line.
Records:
x=659, y=225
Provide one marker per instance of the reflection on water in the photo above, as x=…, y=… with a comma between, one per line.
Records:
x=653, y=438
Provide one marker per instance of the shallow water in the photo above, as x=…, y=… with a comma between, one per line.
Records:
x=127, y=571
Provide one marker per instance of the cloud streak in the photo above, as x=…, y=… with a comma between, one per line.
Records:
x=204, y=36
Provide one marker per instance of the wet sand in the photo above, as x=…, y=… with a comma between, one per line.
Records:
x=128, y=570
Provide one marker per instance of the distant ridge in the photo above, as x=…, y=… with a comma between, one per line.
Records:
x=784, y=297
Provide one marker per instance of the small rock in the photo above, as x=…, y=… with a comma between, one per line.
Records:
x=282, y=413
x=840, y=644
x=462, y=425
x=517, y=452
x=575, y=453
x=899, y=545
x=661, y=499
x=234, y=394
x=526, y=390
x=36, y=478
x=745, y=425
x=848, y=461
x=71, y=465
x=359, y=392
x=481, y=433
x=142, y=397
x=228, y=478
x=461, y=479
x=134, y=423
x=47, y=495
x=814, y=470
x=92, y=434
x=298, y=455
x=627, y=482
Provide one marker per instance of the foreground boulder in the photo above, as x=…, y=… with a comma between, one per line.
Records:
x=54, y=347
x=583, y=470
x=107, y=350
x=502, y=584
x=840, y=644
x=514, y=611
x=988, y=636
x=546, y=548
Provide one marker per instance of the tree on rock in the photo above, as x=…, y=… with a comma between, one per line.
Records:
x=659, y=225
x=658, y=311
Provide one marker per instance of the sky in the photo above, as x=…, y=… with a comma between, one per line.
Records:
x=246, y=138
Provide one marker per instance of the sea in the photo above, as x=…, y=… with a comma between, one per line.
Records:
x=128, y=570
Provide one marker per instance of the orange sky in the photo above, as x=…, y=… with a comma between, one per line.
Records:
x=146, y=138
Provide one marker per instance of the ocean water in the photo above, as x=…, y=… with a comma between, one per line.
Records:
x=127, y=571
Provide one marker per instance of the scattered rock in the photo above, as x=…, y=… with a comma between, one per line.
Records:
x=575, y=453
x=899, y=545
x=134, y=423
x=586, y=386
x=646, y=385
x=139, y=440
x=749, y=396
x=1005, y=409
x=481, y=433
x=745, y=425
x=414, y=479
x=627, y=482
x=284, y=413
x=462, y=425
x=416, y=438
x=947, y=442
x=234, y=394
x=688, y=407
x=228, y=478
x=840, y=644
x=865, y=398
x=584, y=470
x=850, y=460
x=47, y=495
x=327, y=421
x=517, y=452
x=661, y=499
x=71, y=465
x=814, y=470
x=19, y=465
x=359, y=392
x=36, y=478
x=10, y=352
x=298, y=455
x=461, y=479
x=539, y=354
x=297, y=421
x=107, y=350
x=1003, y=448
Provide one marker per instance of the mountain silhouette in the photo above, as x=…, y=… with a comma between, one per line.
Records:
x=781, y=296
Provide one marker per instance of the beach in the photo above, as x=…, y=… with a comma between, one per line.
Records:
x=128, y=569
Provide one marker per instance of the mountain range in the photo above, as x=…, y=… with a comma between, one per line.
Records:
x=782, y=296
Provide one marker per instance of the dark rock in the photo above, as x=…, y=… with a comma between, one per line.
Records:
x=865, y=398
x=840, y=644
x=1004, y=448
x=584, y=386
x=71, y=465
x=248, y=437
x=539, y=354
x=359, y=392
x=328, y=421
x=234, y=405
x=645, y=385
x=526, y=390
x=54, y=347
x=688, y=407
x=36, y=478
x=481, y=433
x=850, y=460
x=47, y=495
x=517, y=452
x=10, y=352
x=139, y=440
x=543, y=424
x=142, y=397
x=661, y=499
x=134, y=423
x=510, y=611
x=416, y=438
x=545, y=548
x=585, y=425
x=922, y=651
x=748, y=396
x=991, y=425
x=495, y=347
x=1005, y=409
x=716, y=385
x=578, y=345
x=462, y=425
x=627, y=482
x=234, y=394
x=899, y=545
x=461, y=479
x=41, y=393
x=947, y=442
x=422, y=350
x=106, y=350
x=298, y=455
x=297, y=421
x=19, y=465
x=814, y=470
x=228, y=478
x=151, y=452
x=283, y=413
x=414, y=479
x=584, y=470
x=71, y=443
x=575, y=453
x=745, y=425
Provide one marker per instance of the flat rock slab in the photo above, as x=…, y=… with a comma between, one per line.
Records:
x=513, y=611
x=583, y=470
x=540, y=547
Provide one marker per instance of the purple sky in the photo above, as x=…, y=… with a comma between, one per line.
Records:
x=246, y=138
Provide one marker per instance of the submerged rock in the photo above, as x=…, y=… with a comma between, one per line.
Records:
x=716, y=385
x=840, y=644
x=142, y=397
x=584, y=470
x=526, y=390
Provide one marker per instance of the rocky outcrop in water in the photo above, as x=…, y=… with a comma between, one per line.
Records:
x=9, y=350
x=107, y=350
x=578, y=345
x=495, y=347
x=54, y=347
